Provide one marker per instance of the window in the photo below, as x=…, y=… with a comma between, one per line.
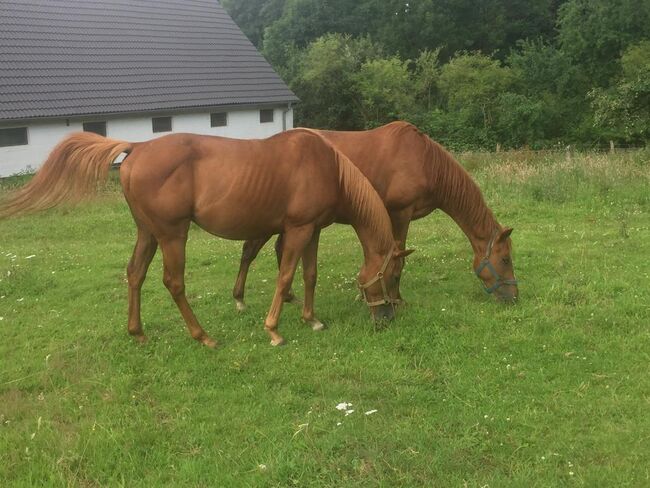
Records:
x=266, y=115
x=161, y=124
x=219, y=119
x=13, y=137
x=96, y=127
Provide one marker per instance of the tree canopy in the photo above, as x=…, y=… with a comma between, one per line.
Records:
x=533, y=73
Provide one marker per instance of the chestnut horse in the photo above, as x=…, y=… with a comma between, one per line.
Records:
x=414, y=176
x=294, y=183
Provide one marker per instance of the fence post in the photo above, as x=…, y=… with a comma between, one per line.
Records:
x=612, y=149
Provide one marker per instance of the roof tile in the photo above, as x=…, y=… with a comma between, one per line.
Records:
x=63, y=58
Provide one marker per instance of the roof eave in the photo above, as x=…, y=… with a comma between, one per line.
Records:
x=173, y=110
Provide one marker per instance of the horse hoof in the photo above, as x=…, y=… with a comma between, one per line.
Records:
x=139, y=338
x=241, y=306
x=317, y=325
x=293, y=300
x=207, y=341
x=278, y=342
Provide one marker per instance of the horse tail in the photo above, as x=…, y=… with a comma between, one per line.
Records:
x=363, y=199
x=74, y=169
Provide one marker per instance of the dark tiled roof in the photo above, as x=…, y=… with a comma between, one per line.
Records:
x=80, y=57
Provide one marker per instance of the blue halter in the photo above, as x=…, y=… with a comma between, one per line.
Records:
x=485, y=263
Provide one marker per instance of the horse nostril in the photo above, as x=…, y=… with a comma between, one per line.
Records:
x=383, y=312
x=507, y=299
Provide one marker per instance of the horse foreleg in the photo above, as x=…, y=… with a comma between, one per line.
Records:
x=400, y=222
x=145, y=249
x=309, y=272
x=295, y=240
x=249, y=252
x=173, y=276
x=290, y=296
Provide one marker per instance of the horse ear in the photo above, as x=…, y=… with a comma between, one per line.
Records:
x=404, y=253
x=505, y=233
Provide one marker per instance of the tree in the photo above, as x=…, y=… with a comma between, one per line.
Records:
x=326, y=81
x=427, y=74
x=386, y=91
x=304, y=21
x=552, y=94
x=623, y=111
x=471, y=83
x=594, y=33
x=253, y=16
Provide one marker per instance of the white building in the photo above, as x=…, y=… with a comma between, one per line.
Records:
x=131, y=70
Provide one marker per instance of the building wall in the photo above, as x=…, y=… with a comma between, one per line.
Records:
x=44, y=135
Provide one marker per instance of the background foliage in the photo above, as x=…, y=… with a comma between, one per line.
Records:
x=535, y=73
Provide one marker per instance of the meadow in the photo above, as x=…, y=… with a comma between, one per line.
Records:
x=457, y=391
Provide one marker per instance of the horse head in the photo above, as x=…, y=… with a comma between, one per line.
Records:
x=495, y=269
x=380, y=290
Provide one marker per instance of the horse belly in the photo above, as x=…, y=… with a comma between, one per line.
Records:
x=239, y=223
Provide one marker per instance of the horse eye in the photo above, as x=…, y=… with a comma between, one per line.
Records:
x=506, y=260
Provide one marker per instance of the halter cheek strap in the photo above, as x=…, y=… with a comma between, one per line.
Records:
x=485, y=263
x=378, y=277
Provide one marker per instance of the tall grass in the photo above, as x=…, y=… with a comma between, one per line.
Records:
x=551, y=392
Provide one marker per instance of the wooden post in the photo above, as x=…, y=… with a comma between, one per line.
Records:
x=611, y=147
x=498, y=147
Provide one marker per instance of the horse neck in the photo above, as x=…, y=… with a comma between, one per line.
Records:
x=374, y=249
x=366, y=213
x=459, y=196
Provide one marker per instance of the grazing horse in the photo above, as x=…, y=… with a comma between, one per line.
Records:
x=414, y=176
x=294, y=183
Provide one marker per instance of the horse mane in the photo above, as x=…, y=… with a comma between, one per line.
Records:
x=364, y=200
x=455, y=190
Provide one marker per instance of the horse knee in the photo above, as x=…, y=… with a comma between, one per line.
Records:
x=175, y=286
x=309, y=276
x=134, y=278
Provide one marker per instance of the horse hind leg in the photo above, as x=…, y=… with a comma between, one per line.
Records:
x=143, y=253
x=173, y=277
x=250, y=250
x=400, y=222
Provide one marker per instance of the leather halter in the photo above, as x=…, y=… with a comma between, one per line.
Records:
x=485, y=263
x=379, y=277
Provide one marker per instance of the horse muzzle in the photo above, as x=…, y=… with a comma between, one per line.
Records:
x=507, y=294
x=383, y=312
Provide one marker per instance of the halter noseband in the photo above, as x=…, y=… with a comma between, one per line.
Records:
x=379, y=277
x=498, y=281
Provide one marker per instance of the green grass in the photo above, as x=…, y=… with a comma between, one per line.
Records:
x=553, y=391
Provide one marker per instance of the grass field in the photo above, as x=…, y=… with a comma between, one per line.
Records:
x=554, y=391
